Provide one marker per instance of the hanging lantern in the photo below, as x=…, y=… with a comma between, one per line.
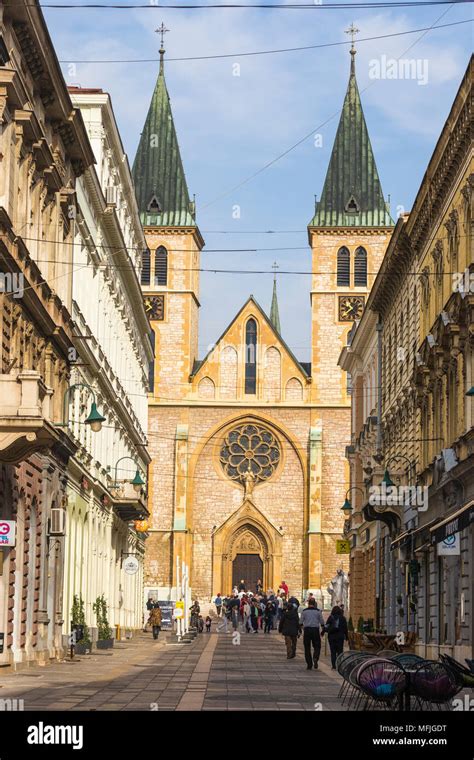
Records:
x=141, y=526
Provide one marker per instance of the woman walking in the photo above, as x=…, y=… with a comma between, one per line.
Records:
x=290, y=627
x=336, y=628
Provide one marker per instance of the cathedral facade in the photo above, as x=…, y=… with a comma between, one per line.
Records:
x=248, y=472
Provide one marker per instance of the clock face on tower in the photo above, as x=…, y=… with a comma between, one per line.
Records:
x=350, y=308
x=155, y=307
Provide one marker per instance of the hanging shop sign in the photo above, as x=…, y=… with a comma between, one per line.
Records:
x=450, y=546
x=131, y=565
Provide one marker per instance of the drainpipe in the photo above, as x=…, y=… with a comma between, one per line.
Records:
x=378, y=328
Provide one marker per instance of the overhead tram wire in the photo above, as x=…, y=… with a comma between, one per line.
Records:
x=269, y=52
x=259, y=6
x=275, y=160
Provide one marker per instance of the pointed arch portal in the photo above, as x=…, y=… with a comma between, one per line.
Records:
x=246, y=544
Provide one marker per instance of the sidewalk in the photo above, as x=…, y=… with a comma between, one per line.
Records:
x=212, y=673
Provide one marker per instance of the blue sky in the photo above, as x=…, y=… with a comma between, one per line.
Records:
x=230, y=126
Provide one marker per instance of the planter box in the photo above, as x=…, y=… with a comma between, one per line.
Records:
x=82, y=648
x=104, y=643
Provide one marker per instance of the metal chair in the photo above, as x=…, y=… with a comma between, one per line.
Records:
x=434, y=683
x=383, y=680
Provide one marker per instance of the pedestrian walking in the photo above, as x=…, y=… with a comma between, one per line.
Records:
x=254, y=610
x=155, y=620
x=149, y=605
x=336, y=629
x=268, y=616
x=313, y=625
x=208, y=624
x=234, y=606
x=290, y=627
x=200, y=624
x=218, y=604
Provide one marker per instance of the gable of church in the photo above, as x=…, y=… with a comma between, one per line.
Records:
x=227, y=373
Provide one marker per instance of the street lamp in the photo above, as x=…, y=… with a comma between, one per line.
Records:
x=347, y=506
x=386, y=478
x=95, y=419
x=137, y=481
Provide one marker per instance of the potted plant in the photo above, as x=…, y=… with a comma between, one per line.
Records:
x=82, y=645
x=360, y=625
x=104, y=631
x=350, y=624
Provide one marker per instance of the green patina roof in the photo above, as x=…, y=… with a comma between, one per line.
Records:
x=352, y=180
x=158, y=171
x=274, y=311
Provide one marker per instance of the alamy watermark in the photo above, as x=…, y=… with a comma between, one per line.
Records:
x=401, y=68
x=12, y=284
x=384, y=495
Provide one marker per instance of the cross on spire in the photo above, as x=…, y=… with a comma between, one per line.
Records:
x=162, y=31
x=352, y=31
x=275, y=267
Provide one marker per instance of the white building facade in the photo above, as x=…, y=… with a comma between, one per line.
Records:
x=113, y=353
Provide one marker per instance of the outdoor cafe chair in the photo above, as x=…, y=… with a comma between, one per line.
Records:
x=383, y=680
x=434, y=684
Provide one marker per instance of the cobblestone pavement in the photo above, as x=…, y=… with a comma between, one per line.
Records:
x=212, y=673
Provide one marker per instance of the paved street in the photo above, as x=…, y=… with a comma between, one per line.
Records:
x=210, y=674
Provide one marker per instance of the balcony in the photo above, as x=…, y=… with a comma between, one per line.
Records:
x=26, y=426
x=128, y=504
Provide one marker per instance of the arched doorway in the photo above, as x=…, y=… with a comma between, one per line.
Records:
x=248, y=554
x=246, y=546
x=249, y=557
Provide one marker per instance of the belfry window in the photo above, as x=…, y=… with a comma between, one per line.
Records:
x=360, y=267
x=145, y=273
x=352, y=207
x=343, y=267
x=251, y=357
x=161, y=266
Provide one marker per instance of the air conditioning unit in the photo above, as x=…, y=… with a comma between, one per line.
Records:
x=111, y=195
x=57, y=522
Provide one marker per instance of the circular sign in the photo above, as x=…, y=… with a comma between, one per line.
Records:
x=131, y=565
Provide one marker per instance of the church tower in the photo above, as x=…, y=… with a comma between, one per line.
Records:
x=170, y=266
x=348, y=236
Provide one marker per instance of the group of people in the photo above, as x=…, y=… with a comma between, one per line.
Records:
x=266, y=611
x=254, y=611
x=251, y=611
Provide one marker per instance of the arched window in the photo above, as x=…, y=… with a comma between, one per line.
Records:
x=343, y=267
x=145, y=274
x=161, y=266
x=251, y=357
x=360, y=267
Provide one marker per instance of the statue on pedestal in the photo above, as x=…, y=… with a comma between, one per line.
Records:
x=338, y=589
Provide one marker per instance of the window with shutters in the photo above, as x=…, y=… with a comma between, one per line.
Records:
x=145, y=274
x=161, y=266
x=343, y=267
x=360, y=267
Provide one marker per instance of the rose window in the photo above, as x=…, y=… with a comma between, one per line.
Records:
x=250, y=447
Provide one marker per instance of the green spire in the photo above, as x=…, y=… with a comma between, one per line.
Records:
x=158, y=174
x=274, y=312
x=352, y=194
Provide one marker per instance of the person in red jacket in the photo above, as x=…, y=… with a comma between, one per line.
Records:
x=283, y=586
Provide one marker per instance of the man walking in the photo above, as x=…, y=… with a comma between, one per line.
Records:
x=313, y=625
x=289, y=627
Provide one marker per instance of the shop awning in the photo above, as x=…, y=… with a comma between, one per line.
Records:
x=403, y=537
x=453, y=523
